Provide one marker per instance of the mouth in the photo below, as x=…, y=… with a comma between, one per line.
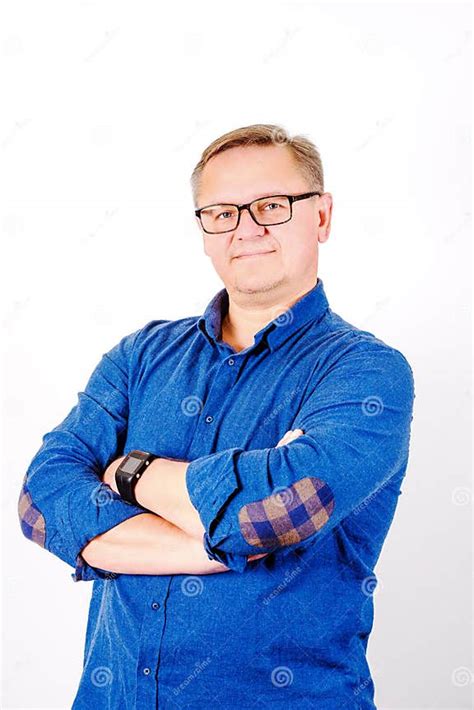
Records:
x=251, y=256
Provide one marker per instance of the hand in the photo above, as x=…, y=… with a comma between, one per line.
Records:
x=290, y=436
x=255, y=557
x=109, y=473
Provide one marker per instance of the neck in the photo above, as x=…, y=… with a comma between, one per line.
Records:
x=243, y=320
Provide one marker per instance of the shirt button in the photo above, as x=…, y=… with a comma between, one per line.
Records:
x=231, y=361
x=155, y=605
x=146, y=671
x=209, y=419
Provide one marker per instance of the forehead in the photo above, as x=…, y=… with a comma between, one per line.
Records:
x=243, y=173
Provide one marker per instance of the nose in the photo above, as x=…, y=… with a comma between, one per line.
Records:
x=247, y=225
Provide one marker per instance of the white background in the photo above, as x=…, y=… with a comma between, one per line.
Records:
x=107, y=107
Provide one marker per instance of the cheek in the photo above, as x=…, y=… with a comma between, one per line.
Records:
x=208, y=247
x=297, y=255
x=217, y=249
x=220, y=259
x=295, y=249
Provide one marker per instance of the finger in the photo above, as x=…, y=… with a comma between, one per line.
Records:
x=284, y=439
x=290, y=436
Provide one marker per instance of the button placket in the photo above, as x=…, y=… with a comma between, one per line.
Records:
x=150, y=644
x=224, y=380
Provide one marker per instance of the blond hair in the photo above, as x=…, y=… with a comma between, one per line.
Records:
x=303, y=151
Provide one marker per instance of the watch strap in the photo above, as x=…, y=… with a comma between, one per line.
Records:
x=130, y=471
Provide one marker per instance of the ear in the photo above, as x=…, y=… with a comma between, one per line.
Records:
x=325, y=215
x=324, y=235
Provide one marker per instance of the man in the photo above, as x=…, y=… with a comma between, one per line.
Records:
x=251, y=462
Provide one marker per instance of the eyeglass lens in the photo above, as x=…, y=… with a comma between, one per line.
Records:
x=267, y=210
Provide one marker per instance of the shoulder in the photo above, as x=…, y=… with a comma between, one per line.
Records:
x=161, y=333
x=356, y=352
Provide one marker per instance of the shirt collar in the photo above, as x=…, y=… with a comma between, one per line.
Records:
x=310, y=307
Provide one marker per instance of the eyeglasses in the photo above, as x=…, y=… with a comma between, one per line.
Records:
x=276, y=209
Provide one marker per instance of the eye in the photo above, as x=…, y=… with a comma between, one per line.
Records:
x=270, y=204
x=221, y=213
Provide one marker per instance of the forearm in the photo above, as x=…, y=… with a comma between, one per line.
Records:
x=162, y=490
x=149, y=544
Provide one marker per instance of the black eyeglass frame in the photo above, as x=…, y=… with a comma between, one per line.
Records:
x=291, y=199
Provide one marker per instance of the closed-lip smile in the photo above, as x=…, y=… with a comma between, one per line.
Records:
x=254, y=253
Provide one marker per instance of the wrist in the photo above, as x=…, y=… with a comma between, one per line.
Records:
x=163, y=491
x=130, y=471
x=144, y=487
x=108, y=476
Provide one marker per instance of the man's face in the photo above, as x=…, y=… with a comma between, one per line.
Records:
x=240, y=175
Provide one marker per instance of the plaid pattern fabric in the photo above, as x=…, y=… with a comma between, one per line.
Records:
x=288, y=515
x=31, y=519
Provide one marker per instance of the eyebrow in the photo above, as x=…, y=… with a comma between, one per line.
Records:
x=229, y=202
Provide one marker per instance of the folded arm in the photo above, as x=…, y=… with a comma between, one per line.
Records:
x=148, y=544
x=356, y=423
x=63, y=504
x=162, y=490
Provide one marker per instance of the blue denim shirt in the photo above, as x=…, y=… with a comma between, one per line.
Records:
x=289, y=629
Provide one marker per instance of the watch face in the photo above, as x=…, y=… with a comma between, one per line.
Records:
x=131, y=465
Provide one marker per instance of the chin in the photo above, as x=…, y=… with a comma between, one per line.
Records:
x=257, y=284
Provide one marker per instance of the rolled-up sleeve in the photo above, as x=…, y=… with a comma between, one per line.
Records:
x=63, y=503
x=356, y=421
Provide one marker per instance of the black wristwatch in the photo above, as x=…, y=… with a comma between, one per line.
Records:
x=130, y=471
